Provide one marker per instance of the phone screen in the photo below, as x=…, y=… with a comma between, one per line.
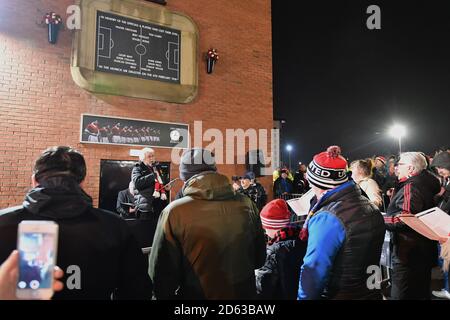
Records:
x=37, y=260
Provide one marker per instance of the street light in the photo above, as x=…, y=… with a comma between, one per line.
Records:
x=398, y=131
x=289, y=149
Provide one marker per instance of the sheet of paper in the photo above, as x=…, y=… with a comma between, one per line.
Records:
x=416, y=224
x=301, y=205
x=437, y=220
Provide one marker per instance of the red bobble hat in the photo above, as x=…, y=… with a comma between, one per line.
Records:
x=381, y=158
x=328, y=169
x=275, y=215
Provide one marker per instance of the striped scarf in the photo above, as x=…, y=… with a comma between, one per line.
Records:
x=290, y=232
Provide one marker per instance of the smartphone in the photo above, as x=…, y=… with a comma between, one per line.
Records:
x=37, y=245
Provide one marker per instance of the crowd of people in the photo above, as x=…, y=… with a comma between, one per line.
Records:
x=224, y=240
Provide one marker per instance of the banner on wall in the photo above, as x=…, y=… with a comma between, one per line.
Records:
x=133, y=132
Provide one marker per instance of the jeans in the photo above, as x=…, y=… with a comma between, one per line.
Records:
x=446, y=280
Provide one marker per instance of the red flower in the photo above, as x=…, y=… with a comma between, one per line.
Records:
x=52, y=18
x=212, y=54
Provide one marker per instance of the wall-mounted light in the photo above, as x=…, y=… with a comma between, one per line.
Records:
x=54, y=23
x=211, y=58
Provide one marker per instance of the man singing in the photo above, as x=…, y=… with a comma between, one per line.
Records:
x=147, y=179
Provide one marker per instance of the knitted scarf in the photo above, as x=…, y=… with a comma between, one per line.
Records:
x=290, y=232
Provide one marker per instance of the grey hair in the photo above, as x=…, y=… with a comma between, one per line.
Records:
x=414, y=159
x=144, y=152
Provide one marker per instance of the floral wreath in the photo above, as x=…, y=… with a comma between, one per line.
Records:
x=52, y=18
x=212, y=54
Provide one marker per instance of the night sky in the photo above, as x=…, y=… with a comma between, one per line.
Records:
x=336, y=82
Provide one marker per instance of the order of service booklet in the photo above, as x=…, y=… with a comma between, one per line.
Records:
x=432, y=223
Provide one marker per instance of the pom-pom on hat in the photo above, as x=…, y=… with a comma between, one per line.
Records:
x=328, y=169
x=275, y=215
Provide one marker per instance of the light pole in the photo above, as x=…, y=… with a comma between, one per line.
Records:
x=398, y=131
x=289, y=149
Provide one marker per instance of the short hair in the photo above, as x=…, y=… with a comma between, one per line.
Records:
x=364, y=165
x=60, y=161
x=414, y=159
x=144, y=152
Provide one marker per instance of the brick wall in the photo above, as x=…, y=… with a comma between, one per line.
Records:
x=40, y=105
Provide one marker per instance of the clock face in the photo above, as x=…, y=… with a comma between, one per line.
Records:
x=175, y=135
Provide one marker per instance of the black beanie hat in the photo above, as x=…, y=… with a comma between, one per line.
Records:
x=442, y=160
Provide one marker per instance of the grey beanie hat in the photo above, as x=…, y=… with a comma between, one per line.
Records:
x=195, y=161
x=441, y=160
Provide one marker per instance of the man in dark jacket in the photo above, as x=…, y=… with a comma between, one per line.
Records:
x=301, y=184
x=278, y=278
x=148, y=183
x=283, y=186
x=102, y=254
x=207, y=244
x=345, y=234
x=379, y=171
x=441, y=163
x=254, y=190
x=125, y=202
x=413, y=255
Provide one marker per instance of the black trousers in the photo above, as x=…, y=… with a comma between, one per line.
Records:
x=410, y=281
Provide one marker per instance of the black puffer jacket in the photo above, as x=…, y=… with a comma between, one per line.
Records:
x=364, y=234
x=413, y=195
x=144, y=181
x=97, y=241
x=442, y=160
x=278, y=278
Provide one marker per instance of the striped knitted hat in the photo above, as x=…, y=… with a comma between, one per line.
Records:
x=275, y=215
x=328, y=169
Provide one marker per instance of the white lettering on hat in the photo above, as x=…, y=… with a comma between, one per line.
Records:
x=319, y=172
x=341, y=174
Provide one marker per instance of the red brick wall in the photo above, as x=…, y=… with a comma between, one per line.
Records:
x=40, y=105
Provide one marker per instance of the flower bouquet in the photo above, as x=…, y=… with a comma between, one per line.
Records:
x=53, y=22
x=211, y=58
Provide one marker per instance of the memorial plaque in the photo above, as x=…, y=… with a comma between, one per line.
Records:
x=137, y=49
x=138, y=132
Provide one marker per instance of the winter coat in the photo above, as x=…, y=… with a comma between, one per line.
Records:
x=412, y=195
x=98, y=242
x=256, y=193
x=379, y=175
x=279, y=189
x=443, y=201
x=124, y=198
x=278, y=278
x=144, y=182
x=442, y=160
x=301, y=184
x=345, y=236
x=207, y=244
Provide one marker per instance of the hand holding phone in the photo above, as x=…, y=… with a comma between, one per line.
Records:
x=37, y=245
